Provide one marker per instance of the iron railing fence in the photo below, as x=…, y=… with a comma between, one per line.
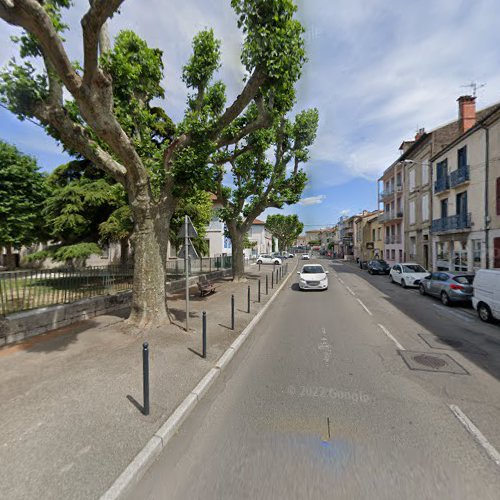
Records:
x=34, y=288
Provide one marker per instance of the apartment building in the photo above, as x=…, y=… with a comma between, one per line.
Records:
x=326, y=237
x=466, y=226
x=391, y=199
x=369, y=242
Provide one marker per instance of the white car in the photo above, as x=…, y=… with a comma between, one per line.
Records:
x=313, y=277
x=407, y=274
x=486, y=298
x=268, y=259
x=305, y=256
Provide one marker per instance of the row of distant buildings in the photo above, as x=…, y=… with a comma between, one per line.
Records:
x=439, y=201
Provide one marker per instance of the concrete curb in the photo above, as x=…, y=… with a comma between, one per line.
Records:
x=145, y=458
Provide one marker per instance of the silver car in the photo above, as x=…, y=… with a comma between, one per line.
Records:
x=448, y=286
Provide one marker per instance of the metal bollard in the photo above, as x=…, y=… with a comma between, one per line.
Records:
x=267, y=285
x=204, y=334
x=145, y=378
x=259, y=266
x=258, y=291
x=272, y=280
x=232, y=312
x=248, y=303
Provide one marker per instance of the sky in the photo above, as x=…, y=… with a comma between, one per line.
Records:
x=378, y=70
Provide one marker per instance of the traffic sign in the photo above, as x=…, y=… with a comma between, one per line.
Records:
x=191, y=231
x=191, y=252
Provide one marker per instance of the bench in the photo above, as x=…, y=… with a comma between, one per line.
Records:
x=205, y=287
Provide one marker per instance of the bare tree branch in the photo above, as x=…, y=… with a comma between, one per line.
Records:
x=75, y=136
x=92, y=22
x=30, y=15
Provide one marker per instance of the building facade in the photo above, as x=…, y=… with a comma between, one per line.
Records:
x=465, y=224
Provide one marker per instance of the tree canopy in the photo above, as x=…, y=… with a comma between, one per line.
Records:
x=22, y=193
x=284, y=227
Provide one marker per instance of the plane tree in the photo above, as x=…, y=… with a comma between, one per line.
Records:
x=104, y=108
x=265, y=171
x=284, y=227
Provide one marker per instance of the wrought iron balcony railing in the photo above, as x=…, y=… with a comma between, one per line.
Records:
x=457, y=222
x=459, y=176
x=442, y=184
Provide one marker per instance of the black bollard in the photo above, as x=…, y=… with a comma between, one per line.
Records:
x=259, y=266
x=258, y=291
x=145, y=378
x=248, y=303
x=272, y=280
x=267, y=285
x=232, y=312
x=204, y=334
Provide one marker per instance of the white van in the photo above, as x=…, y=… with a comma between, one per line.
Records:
x=486, y=298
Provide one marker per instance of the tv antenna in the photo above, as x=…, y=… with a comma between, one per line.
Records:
x=474, y=86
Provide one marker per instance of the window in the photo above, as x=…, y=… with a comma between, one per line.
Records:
x=444, y=208
x=393, y=254
x=387, y=254
x=442, y=169
x=373, y=234
x=412, y=212
x=462, y=158
x=400, y=255
x=496, y=252
x=425, y=207
x=411, y=179
x=413, y=246
x=425, y=172
x=460, y=256
x=462, y=204
x=476, y=253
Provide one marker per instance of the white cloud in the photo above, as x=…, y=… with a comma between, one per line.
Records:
x=345, y=212
x=312, y=200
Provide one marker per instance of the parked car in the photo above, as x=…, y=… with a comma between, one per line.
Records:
x=268, y=259
x=282, y=256
x=448, y=286
x=305, y=256
x=486, y=297
x=291, y=255
x=313, y=277
x=378, y=266
x=407, y=274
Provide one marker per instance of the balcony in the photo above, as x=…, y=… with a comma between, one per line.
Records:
x=393, y=239
x=392, y=215
x=442, y=184
x=458, y=222
x=385, y=194
x=459, y=176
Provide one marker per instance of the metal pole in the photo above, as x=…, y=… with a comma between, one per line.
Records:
x=272, y=280
x=259, y=266
x=186, y=268
x=232, y=312
x=267, y=285
x=258, y=291
x=248, y=304
x=145, y=378
x=204, y=333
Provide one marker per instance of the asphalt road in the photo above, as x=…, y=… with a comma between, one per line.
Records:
x=362, y=391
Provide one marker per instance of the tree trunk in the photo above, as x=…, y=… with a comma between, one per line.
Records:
x=237, y=239
x=150, y=258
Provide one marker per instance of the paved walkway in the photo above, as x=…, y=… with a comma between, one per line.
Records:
x=70, y=399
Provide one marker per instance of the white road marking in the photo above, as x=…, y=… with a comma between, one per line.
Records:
x=364, y=307
x=350, y=291
x=325, y=347
x=341, y=280
x=476, y=433
x=389, y=334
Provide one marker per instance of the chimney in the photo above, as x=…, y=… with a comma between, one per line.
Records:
x=466, y=112
x=419, y=134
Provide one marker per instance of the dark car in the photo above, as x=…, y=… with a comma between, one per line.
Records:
x=378, y=266
x=448, y=286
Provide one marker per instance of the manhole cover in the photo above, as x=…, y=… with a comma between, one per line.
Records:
x=451, y=343
x=430, y=361
x=435, y=362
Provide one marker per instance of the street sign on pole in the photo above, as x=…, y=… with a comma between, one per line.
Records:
x=192, y=254
x=187, y=229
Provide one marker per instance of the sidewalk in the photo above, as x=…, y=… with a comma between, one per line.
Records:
x=69, y=399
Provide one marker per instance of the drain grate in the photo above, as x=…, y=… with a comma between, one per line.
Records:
x=449, y=342
x=430, y=361
x=435, y=362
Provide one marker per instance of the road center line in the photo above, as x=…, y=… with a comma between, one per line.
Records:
x=364, y=307
x=476, y=433
x=389, y=334
x=350, y=291
x=341, y=280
